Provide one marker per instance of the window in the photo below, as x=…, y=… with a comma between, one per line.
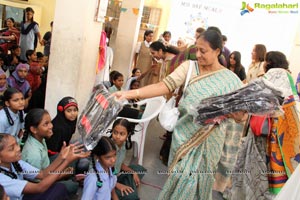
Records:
x=150, y=20
x=9, y=11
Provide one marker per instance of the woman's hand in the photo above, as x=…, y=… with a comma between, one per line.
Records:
x=120, y=95
x=124, y=189
x=136, y=180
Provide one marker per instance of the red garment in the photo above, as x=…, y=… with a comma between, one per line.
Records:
x=8, y=44
x=34, y=76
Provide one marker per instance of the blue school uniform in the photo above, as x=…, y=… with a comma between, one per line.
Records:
x=15, y=187
x=90, y=189
x=5, y=127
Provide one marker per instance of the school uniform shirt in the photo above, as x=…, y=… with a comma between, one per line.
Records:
x=121, y=154
x=90, y=189
x=36, y=153
x=14, y=187
x=5, y=127
x=113, y=89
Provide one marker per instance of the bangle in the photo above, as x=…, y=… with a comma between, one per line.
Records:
x=137, y=93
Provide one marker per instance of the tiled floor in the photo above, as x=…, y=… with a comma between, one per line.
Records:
x=153, y=181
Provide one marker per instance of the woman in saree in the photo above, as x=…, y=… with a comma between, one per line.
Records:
x=200, y=156
x=269, y=159
x=10, y=35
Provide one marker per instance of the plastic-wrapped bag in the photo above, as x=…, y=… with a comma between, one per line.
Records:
x=258, y=97
x=101, y=110
x=168, y=116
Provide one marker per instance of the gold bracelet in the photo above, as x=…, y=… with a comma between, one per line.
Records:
x=137, y=93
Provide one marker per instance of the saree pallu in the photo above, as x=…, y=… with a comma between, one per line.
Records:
x=197, y=165
x=283, y=146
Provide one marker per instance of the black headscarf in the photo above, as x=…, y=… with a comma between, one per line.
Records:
x=63, y=129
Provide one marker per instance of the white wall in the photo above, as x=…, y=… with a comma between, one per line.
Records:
x=74, y=52
x=276, y=31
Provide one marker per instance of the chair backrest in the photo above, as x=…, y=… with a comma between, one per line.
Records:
x=153, y=107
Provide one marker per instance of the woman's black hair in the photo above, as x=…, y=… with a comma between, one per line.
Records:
x=157, y=45
x=237, y=58
x=130, y=130
x=33, y=118
x=134, y=70
x=214, y=38
x=28, y=9
x=7, y=95
x=147, y=32
x=16, y=165
x=276, y=59
x=12, y=19
x=104, y=146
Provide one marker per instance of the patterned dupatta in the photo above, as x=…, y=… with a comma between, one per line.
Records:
x=283, y=153
x=199, y=136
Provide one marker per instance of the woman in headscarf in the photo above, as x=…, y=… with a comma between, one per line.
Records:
x=64, y=125
x=18, y=80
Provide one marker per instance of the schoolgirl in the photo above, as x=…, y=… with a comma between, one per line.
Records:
x=100, y=181
x=30, y=33
x=118, y=80
x=129, y=176
x=64, y=125
x=38, y=126
x=12, y=115
x=18, y=80
x=15, y=173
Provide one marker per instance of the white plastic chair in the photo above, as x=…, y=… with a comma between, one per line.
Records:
x=153, y=107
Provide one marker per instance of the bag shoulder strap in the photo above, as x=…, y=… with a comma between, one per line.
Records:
x=188, y=76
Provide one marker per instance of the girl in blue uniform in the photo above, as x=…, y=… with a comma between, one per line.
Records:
x=100, y=181
x=15, y=173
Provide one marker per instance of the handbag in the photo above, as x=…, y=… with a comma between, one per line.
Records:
x=169, y=114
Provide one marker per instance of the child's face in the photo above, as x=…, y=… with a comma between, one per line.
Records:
x=22, y=73
x=135, y=85
x=71, y=113
x=119, y=135
x=16, y=102
x=11, y=151
x=32, y=57
x=119, y=82
x=2, y=80
x=167, y=37
x=108, y=160
x=44, y=129
x=17, y=51
x=137, y=73
x=29, y=15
